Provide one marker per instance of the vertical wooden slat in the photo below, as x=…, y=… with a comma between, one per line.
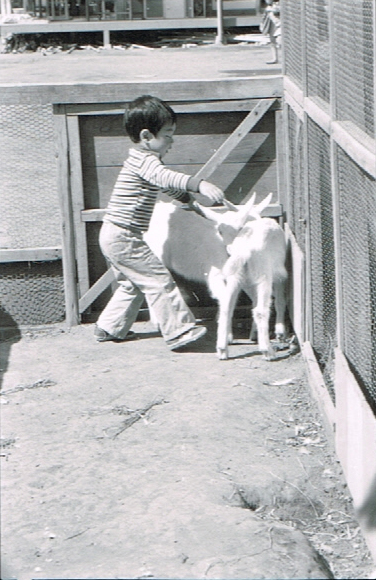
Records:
x=77, y=197
x=280, y=139
x=68, y=244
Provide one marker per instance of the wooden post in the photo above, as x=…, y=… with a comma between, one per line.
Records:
x=67, y=227
x=220, y=36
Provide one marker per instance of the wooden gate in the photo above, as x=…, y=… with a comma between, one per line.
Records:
x=209, y=139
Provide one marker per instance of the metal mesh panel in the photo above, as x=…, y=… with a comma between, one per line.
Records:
x=354, y=62
x=358, y=250
x=32, y=293
x=318, y=53
x=29, y=204
x=292, y=40
x=297, y=209
x=322, y=266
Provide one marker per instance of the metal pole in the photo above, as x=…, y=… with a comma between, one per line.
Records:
x=220, y=37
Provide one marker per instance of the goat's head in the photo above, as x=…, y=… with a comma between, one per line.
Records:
x=230, y=222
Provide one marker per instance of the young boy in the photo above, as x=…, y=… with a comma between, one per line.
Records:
x=150, y=123
x=271, y=25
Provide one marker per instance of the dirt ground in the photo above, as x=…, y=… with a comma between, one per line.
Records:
x=131, y=461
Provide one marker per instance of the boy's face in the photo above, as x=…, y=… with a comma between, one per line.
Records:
x=163, y=140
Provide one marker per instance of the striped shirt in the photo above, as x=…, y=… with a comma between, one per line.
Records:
x=141, y=178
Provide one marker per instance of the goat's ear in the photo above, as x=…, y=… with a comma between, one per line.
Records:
x=263, y=204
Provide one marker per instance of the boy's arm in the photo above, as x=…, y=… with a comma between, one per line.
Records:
x=177, y=184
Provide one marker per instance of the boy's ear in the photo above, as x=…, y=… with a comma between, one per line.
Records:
x=145, y=135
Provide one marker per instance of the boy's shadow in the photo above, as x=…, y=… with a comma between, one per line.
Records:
x=9, y=335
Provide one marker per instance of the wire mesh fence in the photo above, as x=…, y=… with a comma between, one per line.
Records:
x=32, y=293
x=297, y=205
x=330, y=58
x=28, y=177
x=292, y=39
x=321, y=247
x=354, y=64
x=357, y=201
x=318, y=49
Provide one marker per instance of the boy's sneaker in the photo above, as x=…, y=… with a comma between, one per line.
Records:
x=103, y=336
x=190, y=336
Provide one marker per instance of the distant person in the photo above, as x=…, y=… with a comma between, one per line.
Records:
x=271, y=25
x=150, y=123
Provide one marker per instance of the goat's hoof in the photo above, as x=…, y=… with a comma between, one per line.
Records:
x=222, y=353
x=268, y=354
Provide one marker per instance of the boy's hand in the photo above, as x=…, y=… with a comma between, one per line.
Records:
x=211, y=192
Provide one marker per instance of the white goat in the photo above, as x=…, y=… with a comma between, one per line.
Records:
x=231, y=251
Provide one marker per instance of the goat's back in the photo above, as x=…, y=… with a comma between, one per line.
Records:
x=185, y=242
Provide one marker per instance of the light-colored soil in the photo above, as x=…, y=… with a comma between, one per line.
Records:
x=131, y=461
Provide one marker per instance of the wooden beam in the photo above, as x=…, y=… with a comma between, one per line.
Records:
x=96, y=215
x=96, y=289
x=77, y=196
x=69, y=262
x=234, y=139
x=225, y=106
x=30, y=254
x=358, y=151
x=259, y=87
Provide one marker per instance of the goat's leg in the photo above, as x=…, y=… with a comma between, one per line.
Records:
x=250, y=291
x=226, y=310
x=261, y=314
x=279, y=292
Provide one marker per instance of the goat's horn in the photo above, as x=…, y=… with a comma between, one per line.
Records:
x=245, y=210
x=230, y=205
x=263, y=204
x=208, y=213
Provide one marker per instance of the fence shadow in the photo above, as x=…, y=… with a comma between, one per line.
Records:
x=9, y=334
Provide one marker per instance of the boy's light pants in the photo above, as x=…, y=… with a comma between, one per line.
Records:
x=139, y=273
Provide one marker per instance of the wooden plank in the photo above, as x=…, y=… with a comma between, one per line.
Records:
x=228, y=106
x=188, y=148
x=96, y=215
x=237, y=179
x=69, y=263
x=243, y=129
x=319, y=113
x=96, y=289
x=77, y=196
x=30, y=254
x=359, y=152
x=258, y=87
x=281, y=152
x=319, y=389
x=356, y=442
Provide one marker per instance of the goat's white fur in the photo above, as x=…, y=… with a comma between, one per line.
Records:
x=229, y=251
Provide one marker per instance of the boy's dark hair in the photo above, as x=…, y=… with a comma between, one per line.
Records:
x=147, y=112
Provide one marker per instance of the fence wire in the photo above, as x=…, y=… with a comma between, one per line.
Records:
x=322, y=258
x=357, y=198
x=32, y=292
x=354, y=66
x=292, y=39
x=318, y=49
x=28, y=178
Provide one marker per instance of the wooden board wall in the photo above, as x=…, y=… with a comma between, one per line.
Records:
x=251, y=166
